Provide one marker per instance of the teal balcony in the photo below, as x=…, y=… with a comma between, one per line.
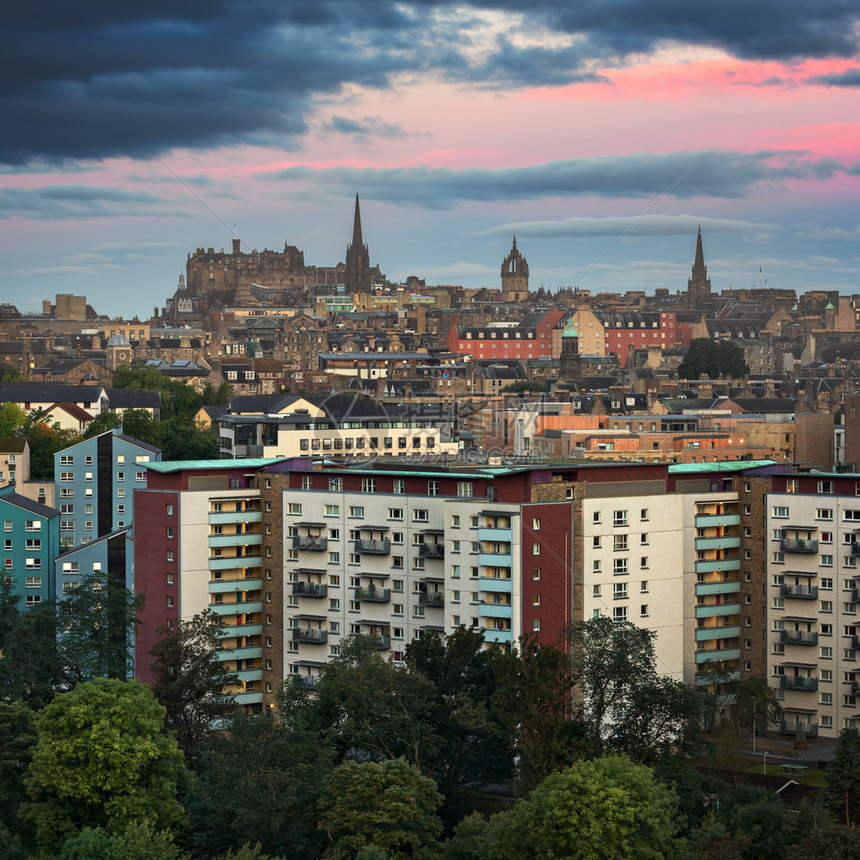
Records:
x=495, y=559
x=226, y=586
x=725, y=542
x=703, y=589
x=245, y=539
x=240, y=606
x=705, y=634
x=252, y=652
x=708, y=564
x=717, y=611
x=253, y=698
x=249, y=674
x=504, y=636
x=725, y=677
x=253, y=629
x=495, y=535
x=495, y=610
x=490, y=583
x=235, y=562
x=711, y=520
x=236, y=517
x=713, y=654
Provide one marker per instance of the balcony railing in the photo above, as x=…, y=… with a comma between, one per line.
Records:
x=382, y=643
x=789, y=682
x=790, y=727
x=373, y=547
x=799, y=545
x=313, y=637
x=855, y=548
x=431, y=598
x=372, y=594
x=801, y=592
x=798, y=637
x=310, y=542
x=432, y=550
x=309, y=589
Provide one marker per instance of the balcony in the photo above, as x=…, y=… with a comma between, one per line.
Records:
x=855, y=548
x=431, y=598
x=798, y=637
x=224, y=518
x=310, y=543
x=226, y=586
x=382, y=643
x=245, y=607
x=855, y=595
x=494, y=583
x=801, y=545
x=311, y=637
x=249, y=652
x=790, y=682
x=712, y=520
x=307, y=680
x=431, y=550
x=235, y=562
x=309, y=589
x=491, y=609
x=724, y=655
x=372, y=594
x=705, y=589
x=505, y=636
x=495, y=559
x=705, y=565
x=717, y=610
x=704, y=634
x=790, y=727
x=494, y=535
x=723, y=542
x=800, y=592
x=373, y=547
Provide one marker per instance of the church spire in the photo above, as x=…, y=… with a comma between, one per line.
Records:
x=699, y=284
x=356, y=225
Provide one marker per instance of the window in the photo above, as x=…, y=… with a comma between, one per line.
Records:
x=399, y=486
x=420, y=515
x=395, y=513
x=331, y=510
x=170, y=555
x=535, y=549
x=455, y=522
x=67, y=477
x=32, y=599
x=368, y=485
x=780, y=512
x=432, y=488
x=169, y=510
x=643, y=610
x=777, y=558
x=619, y=518
x=824, y=514
x=595, y=542
x=33, y=582
x=619, y=543
x=619, y=613
x=334, y=558
x=826, y=582
x=827, y=561
x=536, y=524
x=643, y=586
x=619, y=591
x=33, y=564
x=294, y=509
x=356, y=511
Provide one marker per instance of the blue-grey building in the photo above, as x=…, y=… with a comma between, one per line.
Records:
x=95, y=483
x=31, y=540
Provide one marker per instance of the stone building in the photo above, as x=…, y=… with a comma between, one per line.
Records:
x=515, y=276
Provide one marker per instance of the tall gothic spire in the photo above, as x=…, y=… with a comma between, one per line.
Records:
x=357, y=271
x=699, y=284
x=356, y=225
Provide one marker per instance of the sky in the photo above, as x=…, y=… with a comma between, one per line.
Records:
x=602, y=133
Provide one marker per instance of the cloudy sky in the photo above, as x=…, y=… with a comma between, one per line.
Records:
x=601, y=132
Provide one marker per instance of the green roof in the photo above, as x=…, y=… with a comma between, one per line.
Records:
x=187, y=465
x=719, y=466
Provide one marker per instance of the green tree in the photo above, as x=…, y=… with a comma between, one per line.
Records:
x=388, y=804
x=103, y=422
x=841, y=798
x=102, y=760
x=219, y=396
x=17, y=739
x=9, y=600
x=12, y=419
x=188, y=679
x=10, y=374
x=97, y=618
x=30, y=668
x=524, y=386
x=756, y=704
x=601, y=809
x=259, y=782
x=45, y=439
x=713, y=358
x=139, y=424
x=140, y=841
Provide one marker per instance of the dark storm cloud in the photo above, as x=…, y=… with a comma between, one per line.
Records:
x=99, y=79
x=78, y=201
x=848, y=78
x=688, y=174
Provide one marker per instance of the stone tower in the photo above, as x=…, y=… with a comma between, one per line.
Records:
x=570, y=369
x=357, y=273
x=699, y=284
x=515, y=276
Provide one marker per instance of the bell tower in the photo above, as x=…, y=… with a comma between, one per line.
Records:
x=515, y=276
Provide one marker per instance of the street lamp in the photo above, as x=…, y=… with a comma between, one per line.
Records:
x=764, y=756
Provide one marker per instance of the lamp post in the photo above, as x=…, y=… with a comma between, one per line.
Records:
x=764, y=756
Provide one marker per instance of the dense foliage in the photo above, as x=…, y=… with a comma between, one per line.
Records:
x=712, y=359
x=463, y=753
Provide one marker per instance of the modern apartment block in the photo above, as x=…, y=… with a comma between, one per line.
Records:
x=95, y=483
x=813, y=596
x=197, y=547
x=31, y=540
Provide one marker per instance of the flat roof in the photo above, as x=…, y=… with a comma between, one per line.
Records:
x=719, y=466
x=165, y=467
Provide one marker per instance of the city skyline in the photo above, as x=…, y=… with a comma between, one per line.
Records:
x=150, y=132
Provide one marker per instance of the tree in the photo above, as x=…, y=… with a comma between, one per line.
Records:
x=30, y=669
x=601, y=809
x=12, y=418
x=140, y=841
x=841, y=797
x=97, y=618
x=139, y=424
x=103, y=422
x=260, y=782
x=102, y=760
x=17, y=739
x=524, y=386
x=388, y=804
x=9, y=600
x=713, y=358
x=188, y=679
x=45, y=440
x=756, y=705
